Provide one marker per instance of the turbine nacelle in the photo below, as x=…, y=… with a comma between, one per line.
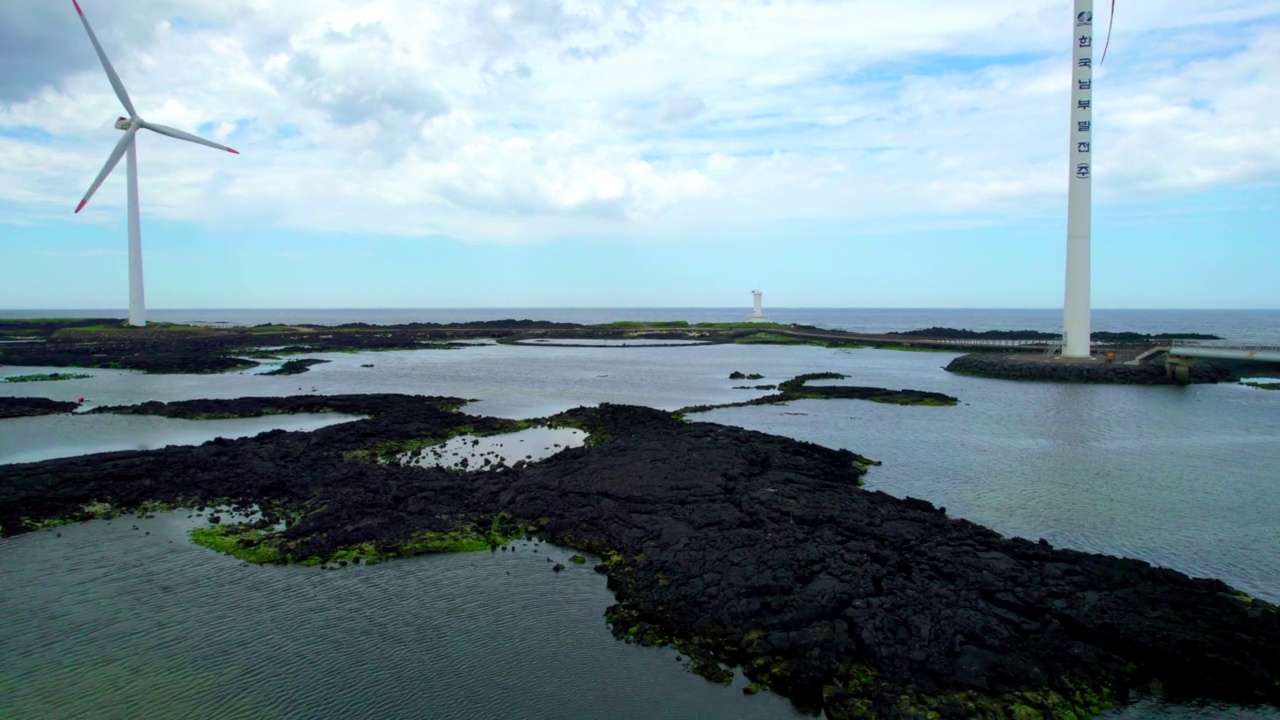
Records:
x=131, y=124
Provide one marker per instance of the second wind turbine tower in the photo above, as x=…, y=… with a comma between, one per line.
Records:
x=1075, y=315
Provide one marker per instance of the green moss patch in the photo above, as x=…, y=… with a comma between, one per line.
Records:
x=774, y=338
x=260, y=543
x=45, y=377
x=242, y=541
x=630, y=627
x=862, y=695
x=643, y=325
x=96, y=510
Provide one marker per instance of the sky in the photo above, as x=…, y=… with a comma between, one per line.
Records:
x=638, y=153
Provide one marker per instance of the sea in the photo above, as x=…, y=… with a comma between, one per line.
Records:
x=126, y=618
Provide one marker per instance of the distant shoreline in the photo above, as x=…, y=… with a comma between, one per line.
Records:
x=1217, y=321
x=163, y=347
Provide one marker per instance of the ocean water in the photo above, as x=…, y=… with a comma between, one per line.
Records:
x=107, y=621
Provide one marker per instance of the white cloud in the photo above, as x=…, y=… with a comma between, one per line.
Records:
x=684, y=107
x=526, y=119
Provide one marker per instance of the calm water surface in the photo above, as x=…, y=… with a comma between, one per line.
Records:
x=54, y=436
x=1182, y=477
x=109, y=622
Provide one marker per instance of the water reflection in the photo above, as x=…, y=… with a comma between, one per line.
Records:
x=142, y=623
x=53, y=436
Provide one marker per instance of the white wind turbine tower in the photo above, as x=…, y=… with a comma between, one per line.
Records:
x=127, y=144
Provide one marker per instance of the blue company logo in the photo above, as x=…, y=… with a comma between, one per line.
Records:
x=1084, y=18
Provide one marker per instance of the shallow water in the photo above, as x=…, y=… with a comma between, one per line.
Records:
x=474, y=452
x=108, y=622
x=46, y=437
x=629, y=342
x=506, y=380
x=1182, y=477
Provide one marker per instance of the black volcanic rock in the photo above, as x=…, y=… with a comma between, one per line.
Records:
x=15, y=407
x=1134, y=337
x=740, y=548
x=1004, y=367
x=295, y=367
x=369, y=404
x=799, y=388
x=962, y=334
x=1102, y=336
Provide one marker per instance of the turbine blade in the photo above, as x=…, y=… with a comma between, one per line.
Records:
x=171, y=132
x=1110, y=25
x=106, y=65
x=112, y=161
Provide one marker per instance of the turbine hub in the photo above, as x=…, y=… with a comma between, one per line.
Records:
x=122, y=123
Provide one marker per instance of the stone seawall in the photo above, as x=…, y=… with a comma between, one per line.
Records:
x=1045, y=369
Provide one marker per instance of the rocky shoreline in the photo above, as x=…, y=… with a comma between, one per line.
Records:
x=1012, y=367
x=1100, y=336
x=740, y=548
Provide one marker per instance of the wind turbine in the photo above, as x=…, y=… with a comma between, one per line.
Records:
x=130, y=125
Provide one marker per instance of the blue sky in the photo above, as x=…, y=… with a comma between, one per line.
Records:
x=513, y=153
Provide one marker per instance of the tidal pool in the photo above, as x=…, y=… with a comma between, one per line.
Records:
x=491, y=452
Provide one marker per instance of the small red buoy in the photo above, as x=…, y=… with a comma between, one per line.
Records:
x=81, y=401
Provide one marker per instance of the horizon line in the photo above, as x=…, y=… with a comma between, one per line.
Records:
x=636, y=307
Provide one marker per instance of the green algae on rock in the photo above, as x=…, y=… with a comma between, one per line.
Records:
x=259, y=543
x=44, y=377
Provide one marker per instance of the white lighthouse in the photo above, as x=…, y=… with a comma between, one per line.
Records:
x=1075, y=314
x=758, y=315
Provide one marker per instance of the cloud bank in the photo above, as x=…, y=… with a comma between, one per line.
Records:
x=524, y=120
